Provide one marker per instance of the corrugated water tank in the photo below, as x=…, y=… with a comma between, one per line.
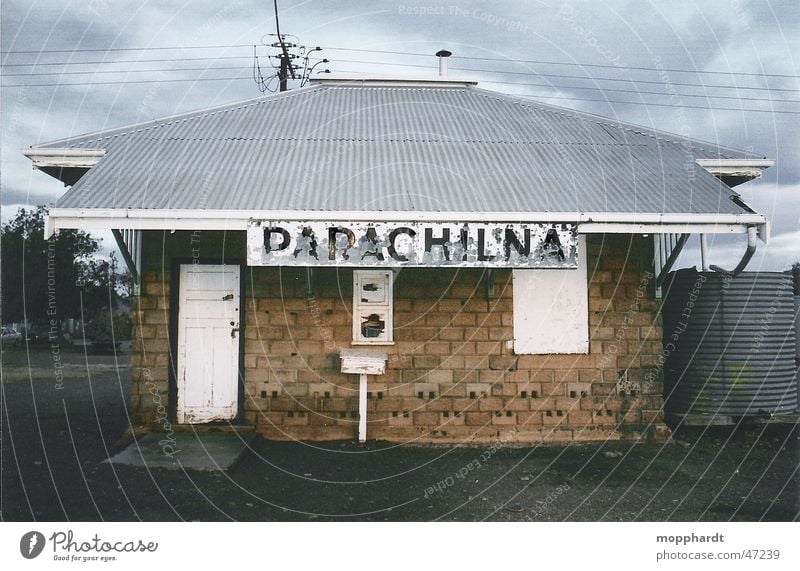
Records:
x=729, y=343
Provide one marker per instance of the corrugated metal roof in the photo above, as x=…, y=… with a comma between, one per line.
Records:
x=369, y=147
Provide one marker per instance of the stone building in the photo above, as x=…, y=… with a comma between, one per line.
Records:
x=491, y=264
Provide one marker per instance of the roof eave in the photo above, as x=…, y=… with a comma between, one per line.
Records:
x=736, y=171
x=393, y=80
x=232, y=220
x=65, y=164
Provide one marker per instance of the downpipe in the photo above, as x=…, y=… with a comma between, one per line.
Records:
x=752, y=236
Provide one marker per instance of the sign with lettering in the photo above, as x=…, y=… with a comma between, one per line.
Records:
x=420, y=244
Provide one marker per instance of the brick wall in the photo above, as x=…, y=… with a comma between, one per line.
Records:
x=452, y=375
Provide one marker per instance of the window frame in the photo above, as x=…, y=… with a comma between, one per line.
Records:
x=384, y=306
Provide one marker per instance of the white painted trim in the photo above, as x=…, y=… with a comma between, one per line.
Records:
x=393, y=80
x=64, y=158
x=704, y=253
x=232, y=220
x=242, y=217
x=362, y=407
x=635, y=228
x=747, y=168
x=727, y=163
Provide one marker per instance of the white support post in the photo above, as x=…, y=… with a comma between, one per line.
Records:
x=362, y=407
x=704, y=252
x=363, y=362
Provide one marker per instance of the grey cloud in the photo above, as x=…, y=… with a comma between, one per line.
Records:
x=11, y=197
x=716, y=34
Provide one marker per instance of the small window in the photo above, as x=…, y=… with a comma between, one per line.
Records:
x=551, y=309
x=372, y=307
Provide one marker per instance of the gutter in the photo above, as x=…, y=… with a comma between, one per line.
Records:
x=243, y=216
x=588, y=222
x=748, y=253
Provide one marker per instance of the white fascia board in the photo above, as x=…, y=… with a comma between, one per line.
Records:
x=747, y=168
x=394, y=80
x=64, y=158
x=627, y=228
x=172, y=214
x=57, y=221
x=588, y=222
x=722, y=228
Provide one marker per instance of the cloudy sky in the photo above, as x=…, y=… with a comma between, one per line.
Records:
x=723, y=71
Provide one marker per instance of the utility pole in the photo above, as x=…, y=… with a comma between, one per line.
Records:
x=286, y=67
x=283, y=72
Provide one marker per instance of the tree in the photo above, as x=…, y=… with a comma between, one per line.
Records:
x=42, y=279
x=104, y=287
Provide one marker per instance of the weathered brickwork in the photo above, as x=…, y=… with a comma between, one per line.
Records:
x=452, y=374
x=151, y=349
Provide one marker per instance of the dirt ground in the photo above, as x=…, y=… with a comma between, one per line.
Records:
x=57, y=428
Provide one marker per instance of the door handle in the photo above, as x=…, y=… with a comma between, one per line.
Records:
x=233, y=332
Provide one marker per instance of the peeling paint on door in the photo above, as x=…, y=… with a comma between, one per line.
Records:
x=208, y=343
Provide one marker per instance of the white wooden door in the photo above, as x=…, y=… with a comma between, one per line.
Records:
x=208, y=343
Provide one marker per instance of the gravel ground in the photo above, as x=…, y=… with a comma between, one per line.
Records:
x=56, y=434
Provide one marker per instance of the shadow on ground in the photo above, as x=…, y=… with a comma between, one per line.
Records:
x=54, y=442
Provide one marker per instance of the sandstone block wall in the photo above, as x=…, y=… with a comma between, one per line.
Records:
x=452, y=375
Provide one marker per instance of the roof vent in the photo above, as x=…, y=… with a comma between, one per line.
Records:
x=443, y=55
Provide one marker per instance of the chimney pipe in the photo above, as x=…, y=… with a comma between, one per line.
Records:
x=443, y=55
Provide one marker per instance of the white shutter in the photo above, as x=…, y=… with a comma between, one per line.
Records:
x=551, y=309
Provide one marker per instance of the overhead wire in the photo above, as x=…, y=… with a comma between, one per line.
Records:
x=265, y=85
x=140, y=49
x=416, y=54
x=39, y=63
x=541, y=96
x=580, y=77
x=396, y=64
x=598, y=65
x=649, y=104
x=257, y=75
x=645, y=103
x=151, y=70
x=125, y=82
